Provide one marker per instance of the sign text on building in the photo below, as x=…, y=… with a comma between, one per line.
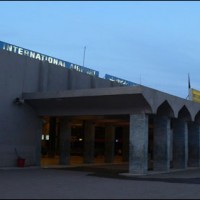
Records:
x=43, y=57
x=119, y=80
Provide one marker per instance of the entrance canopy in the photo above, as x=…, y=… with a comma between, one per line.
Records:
x=109, y=101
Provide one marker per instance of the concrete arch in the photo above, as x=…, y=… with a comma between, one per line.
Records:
x=155, y=98
x=165, y=109
x=184, y=114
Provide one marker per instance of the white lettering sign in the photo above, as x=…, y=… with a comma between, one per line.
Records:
x=32, y=54
x=42, y=57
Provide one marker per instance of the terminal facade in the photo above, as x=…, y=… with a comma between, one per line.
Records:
x=44, y=102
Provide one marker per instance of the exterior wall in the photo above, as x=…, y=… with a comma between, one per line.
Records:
x=20, y=127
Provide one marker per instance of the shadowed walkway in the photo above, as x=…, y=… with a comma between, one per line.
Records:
x=96, y=182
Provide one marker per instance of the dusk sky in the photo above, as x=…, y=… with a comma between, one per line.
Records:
x=153, y=43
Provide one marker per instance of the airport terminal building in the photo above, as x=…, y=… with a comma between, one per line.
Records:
x=50, y=107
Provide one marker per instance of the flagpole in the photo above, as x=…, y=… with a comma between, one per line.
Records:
x=84, y=55
x=189, y=81
x=189, y=86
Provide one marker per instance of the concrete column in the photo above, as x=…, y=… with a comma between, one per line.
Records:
x=161, y=150
x=69, y=80
x=93, y=82
x=43, y=77
x=109, y=143
x=180, y=144
x=52, y=136
x=89, y=138
x=138, y=144
x=38, y=143
x=65, y=141
x=125, y=144
x=193, y=144
x=171, y=148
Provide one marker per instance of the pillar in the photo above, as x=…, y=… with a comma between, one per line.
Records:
x=180, y=144
x=161, y=150
x=125, y=144
x=89, y=138
x=193, y=144
x=38, y=143
x=138, y=144
x=171, y=147
x=43, y=77
x=65, y=141
x=109, y=143
x=52, y=136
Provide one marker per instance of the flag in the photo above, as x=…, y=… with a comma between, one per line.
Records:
x=189, y=86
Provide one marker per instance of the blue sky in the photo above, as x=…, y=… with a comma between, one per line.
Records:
x=153, y=43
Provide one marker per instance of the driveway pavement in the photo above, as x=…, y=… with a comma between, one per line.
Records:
x=96, y=183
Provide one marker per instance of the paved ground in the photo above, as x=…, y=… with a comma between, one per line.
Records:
x=97, y=182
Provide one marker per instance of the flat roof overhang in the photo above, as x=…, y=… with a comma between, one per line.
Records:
x=110, y=101
x=98, y=101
